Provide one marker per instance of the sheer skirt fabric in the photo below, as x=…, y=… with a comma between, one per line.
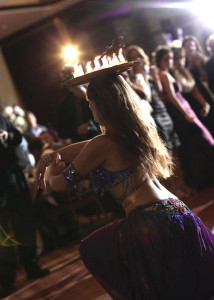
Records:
x=160, y=251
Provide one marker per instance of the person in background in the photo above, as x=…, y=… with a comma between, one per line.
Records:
x=195, y=63
x=75, y=120
x=190, y=90
x=135, y=257
x=209, y=65
x=51, y=140
x=16, y=115
x=195, y=58
x=197, y=143
x=15, y=212
x=145, y=78
x=34, y=129
x=54, y=229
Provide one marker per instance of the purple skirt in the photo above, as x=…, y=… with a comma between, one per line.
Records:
x=162, y=251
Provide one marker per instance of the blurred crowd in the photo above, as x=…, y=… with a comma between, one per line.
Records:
x=177, y=83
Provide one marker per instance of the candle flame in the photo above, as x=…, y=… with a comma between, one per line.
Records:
x=99, y=62
x=89, y=67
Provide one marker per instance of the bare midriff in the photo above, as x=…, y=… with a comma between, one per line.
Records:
x=148, y=192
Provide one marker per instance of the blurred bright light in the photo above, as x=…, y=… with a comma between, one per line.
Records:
x=176, y=44
x=204, y=11
x=69, y=54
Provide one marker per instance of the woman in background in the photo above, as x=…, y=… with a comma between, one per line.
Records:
x=191, y=92
x=209, y=65
x=196, y=61
x=196, y=141
x=145, y=78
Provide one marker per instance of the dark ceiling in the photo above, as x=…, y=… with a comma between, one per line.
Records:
x=11, y=4
x=16, y=15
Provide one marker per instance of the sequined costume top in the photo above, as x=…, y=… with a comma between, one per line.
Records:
x=103, y=180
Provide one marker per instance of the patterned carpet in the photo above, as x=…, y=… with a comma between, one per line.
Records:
x=69, y=279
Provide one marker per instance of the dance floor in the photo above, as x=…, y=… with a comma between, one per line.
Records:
x=69, y=279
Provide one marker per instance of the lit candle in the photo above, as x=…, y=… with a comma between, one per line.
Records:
x=109, y=61
x=104, y=62
x=115, y=60
x=121, y=57
x=97, y=63
x=76, y=70
x=88, y=67
x=81, y=72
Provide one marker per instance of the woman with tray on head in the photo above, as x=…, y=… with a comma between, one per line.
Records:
x=161, y=250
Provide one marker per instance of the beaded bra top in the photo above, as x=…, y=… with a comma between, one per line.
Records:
x=103, y=180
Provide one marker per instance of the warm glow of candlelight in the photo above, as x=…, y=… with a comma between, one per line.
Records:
x=76, y=70
x=121, y=57
x=89, y=67
x=97, y=63
x=105, y=62
x=109, y=60
x=115, y=60
x=80, y=70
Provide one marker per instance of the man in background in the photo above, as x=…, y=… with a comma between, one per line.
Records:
x=16, y=215
x=34, y=128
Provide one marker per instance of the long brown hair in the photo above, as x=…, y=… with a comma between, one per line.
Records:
x=121, y=108
x=189, y=38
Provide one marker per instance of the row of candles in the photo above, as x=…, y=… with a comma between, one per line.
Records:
x=99, y=63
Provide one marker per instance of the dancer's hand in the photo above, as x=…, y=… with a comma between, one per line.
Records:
x=57, y=166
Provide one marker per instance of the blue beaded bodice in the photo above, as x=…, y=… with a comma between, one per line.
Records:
x=103, y=180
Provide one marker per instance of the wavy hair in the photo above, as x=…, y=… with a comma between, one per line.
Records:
x=120, y=108
x=189, y=38
x=140, y=51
